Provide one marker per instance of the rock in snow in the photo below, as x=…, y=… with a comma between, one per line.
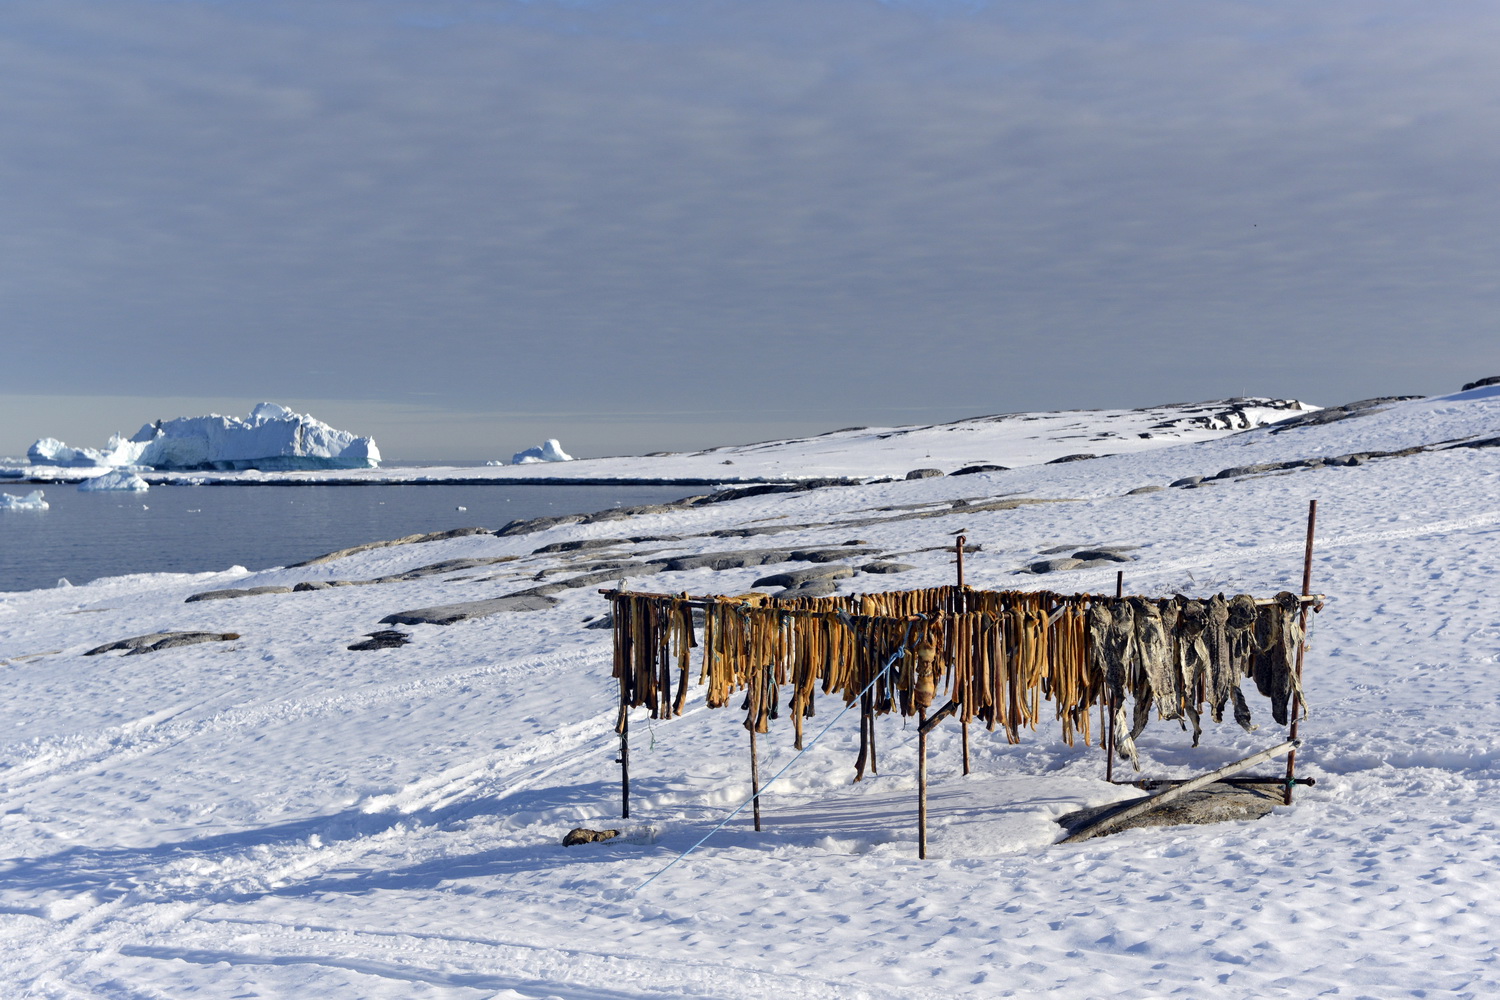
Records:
x=272, y=438
x=548, y=451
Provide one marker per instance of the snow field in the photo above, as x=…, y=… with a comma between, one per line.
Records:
x=278, y=816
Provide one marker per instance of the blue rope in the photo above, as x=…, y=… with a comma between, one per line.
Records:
x=878, y=674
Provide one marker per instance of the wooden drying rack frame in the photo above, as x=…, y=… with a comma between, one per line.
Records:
x=1172, y=788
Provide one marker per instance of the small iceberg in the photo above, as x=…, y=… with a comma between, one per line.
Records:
x=120, y=479
x=549, y=451
x=31, y=501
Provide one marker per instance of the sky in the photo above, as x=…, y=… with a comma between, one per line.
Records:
x=463, y=226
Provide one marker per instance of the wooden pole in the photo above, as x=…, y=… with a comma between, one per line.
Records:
x=921, y=784
x=754, y=779
x=1109, y=734
x=1161, y=798
x=1291, y=758
x=959, y=545
x=624, y=763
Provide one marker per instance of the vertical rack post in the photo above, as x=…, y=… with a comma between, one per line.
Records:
x=1109, y=732
x=624, y=760
x=755, y=779
x=1291, y=758
x=959, y=552
x=625, y=650
x=922, y=783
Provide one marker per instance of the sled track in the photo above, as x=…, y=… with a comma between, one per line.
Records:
x=68, y=757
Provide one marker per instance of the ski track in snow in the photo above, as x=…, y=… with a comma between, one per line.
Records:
x=279, y=818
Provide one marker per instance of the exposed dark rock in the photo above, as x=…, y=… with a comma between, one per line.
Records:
x=799, y=577
x=226, y=595
x=1493, y=442
x=439, y=568
x=157, y=641
x=384, y=639
x=1332, y=414
x=1056, y=549
x=924, y=473
x=535, y=524
x=1100, y=555
x=606, y=620
x=727, y=560
x=821, y=587
x=1188, y=481
x=584, y=836
x=970, y=470
x=307, y=585
x=1145, y=489
x=448, y=614
x=431, y=536
x=882, y=566
x=766, y=529
x=1054, y=565
x=1492, y=380
x=1073, y=458
x=578, y=546
x=818, y=555
x=1250, y=470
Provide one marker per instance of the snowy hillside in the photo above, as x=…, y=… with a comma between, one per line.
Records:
x=1011, y=439
x=271, y=813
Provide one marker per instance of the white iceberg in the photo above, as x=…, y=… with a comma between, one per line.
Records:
x=272, y=438
x=31, y=501
x=51, y=451
x=119, y=479
x=549, y=451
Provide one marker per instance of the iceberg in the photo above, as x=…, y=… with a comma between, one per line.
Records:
x=119, y=479
x=548, y=451
x=272, y=438
x=51, y=451
x=31, y=501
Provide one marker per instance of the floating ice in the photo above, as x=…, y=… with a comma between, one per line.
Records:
x=31, y=501
x=272, y=438
x=119, y=479
x=549, y=451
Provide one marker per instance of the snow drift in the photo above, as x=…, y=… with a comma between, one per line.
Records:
x=272, y=438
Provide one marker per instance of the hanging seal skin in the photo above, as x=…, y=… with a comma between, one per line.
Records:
x=992, y=655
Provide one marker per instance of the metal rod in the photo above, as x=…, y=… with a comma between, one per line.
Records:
x=755, y=779
x=1291, y=759
x=921, y=785
x=1160, y=798
x=966, y=746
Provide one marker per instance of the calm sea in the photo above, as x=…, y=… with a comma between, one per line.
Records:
x=194, y=529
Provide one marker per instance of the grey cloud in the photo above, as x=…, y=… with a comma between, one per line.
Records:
x=837, y=205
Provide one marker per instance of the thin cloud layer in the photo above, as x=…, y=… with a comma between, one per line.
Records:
x=839, y=211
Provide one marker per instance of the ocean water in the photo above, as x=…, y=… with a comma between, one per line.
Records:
x=194, y=529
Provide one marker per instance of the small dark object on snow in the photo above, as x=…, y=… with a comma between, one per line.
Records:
x=157, y=641
x=924, y=473
x=386, y=638
x=584, y=836
x=970, y=470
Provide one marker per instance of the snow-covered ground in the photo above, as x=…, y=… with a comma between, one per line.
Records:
x=853, y=453
x=274, y=815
